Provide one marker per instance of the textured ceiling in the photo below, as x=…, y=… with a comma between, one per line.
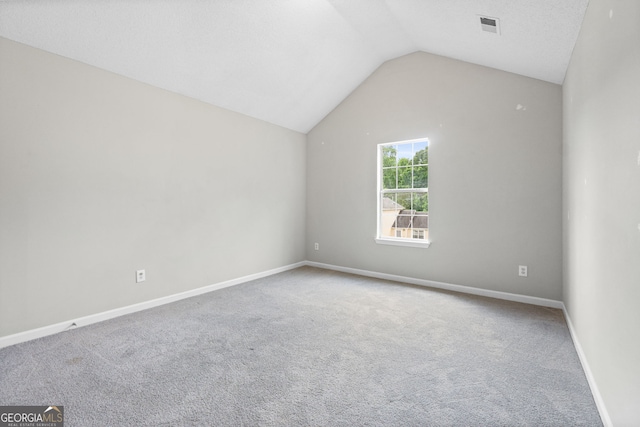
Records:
x=290, y=62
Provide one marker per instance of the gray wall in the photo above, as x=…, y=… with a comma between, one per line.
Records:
x=494, y=184
x=602, y=201
x=101, y=175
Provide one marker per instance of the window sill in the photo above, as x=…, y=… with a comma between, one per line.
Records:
x=402, y=242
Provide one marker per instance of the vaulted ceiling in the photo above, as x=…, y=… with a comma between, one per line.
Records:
x=290, y=62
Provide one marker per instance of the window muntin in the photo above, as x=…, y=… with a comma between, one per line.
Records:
x=403, y=191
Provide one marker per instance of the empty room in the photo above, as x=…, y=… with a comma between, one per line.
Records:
x=320, y=213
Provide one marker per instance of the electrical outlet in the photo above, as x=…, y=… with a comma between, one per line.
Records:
x=316, y=246
x=522, y=271
x=141, y=276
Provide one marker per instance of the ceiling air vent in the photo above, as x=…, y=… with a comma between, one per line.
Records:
x=490, y=25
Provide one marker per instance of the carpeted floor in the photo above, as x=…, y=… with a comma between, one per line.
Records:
x=311, y=347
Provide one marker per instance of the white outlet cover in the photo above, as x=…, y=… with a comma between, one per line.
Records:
x=141, y=276
x=522, y=270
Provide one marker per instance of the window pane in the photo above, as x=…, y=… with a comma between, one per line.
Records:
x=405, y=176
x=405, y=154
x=420, y=153
x=421, y=156
x=421, y=202
x=390, y=209
x=420, y=176
x=389, y=179
x=389, y=200
x=389, y=153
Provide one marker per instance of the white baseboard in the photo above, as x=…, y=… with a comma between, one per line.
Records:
x=446, y=286
x=99, y=317
x=604, y=414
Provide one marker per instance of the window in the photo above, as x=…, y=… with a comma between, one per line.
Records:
x=403, y=193
x=418, y=234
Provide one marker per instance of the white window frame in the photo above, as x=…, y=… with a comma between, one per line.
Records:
x=395, y=241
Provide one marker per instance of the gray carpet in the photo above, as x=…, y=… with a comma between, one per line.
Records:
x=311, y=347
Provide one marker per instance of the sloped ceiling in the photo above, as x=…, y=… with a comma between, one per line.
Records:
x=290, y=62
